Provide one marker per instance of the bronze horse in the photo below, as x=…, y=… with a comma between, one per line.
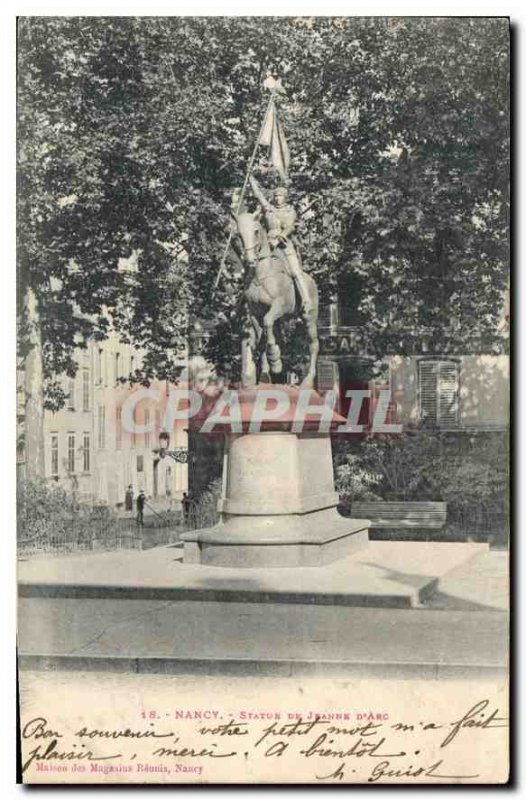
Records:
x=271, y=295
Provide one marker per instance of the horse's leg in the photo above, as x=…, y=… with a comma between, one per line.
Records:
x=265, y=369
x=264, y=376
x=275, y=311
x=311, y=320
x=248, y=365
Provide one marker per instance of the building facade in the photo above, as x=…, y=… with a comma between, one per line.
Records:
x=90, y=449
x=466, y=392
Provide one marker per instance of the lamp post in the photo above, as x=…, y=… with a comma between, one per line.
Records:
x=164, y=443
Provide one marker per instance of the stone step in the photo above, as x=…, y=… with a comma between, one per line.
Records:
x=382, y=574
x=393, y=609
x=252, y=638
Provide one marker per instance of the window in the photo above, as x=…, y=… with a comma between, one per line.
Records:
x=71, y=452
x=438, y=386
x=71, y=394
x=102, y=427
x=20, y=402
x=140, y=463
x=118, y=431
x=54, y=453
x=147, y=425
x=98, y=365
x=85, y=390
x=324, y=317
x=117, y=366
x=328, y=374
x=350, y=292
x=86, y=452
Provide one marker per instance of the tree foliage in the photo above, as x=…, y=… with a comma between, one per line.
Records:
x=52, y=518
x=470, y=474
x=133, y=132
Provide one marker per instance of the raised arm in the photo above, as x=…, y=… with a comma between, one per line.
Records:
x=258, y=191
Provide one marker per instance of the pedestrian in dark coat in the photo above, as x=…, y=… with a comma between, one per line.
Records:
x=128, y=499
x=141, y=499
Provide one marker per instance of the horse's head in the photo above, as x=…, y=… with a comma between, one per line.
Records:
x=252, y=235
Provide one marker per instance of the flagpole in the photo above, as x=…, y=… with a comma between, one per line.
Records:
x=244, y=188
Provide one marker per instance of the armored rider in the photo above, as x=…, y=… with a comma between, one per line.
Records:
x=280, y=219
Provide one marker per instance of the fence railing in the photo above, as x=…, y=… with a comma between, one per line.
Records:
x=80, y=535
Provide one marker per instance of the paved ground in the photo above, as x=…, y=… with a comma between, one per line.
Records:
x=461, y=630
x=191, y=635
x=390, y=574
x=481, y=582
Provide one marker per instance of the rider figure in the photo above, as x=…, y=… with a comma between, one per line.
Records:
x=280, y=220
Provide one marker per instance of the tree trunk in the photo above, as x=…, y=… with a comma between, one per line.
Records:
x=33, y=385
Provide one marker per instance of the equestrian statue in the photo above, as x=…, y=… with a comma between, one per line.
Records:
x=277, y=286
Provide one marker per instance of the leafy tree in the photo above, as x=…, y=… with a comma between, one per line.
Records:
x=133, y=132
x=52, y=518
x=470, y=474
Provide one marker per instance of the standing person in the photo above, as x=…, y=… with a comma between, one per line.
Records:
x=128, y=499
x=141, y=499
x=186, y=503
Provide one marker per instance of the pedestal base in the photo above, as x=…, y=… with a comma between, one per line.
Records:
x=278, y=505
x=306, y=540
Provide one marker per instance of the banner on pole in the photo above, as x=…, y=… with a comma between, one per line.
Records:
x=273, y=137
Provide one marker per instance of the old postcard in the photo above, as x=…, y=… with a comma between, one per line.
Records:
x=263, y=400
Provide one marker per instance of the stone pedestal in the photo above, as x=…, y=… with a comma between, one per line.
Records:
x=278, y=504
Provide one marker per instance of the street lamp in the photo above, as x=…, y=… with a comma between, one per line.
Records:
x=164, y=443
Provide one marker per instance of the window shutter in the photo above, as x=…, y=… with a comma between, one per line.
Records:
x=427, y=374
x=324, y=316
x=448, y=386
x=328, y=316
x=328, y=375
x=438, y=392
